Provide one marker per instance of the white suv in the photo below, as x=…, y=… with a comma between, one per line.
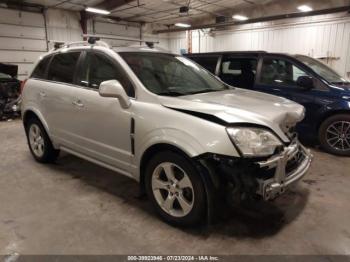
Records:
x=166, y=122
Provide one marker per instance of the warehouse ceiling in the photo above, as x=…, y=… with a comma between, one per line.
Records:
x=155, y=11
x=167, y=12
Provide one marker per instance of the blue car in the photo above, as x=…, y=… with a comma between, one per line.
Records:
x=322, y=91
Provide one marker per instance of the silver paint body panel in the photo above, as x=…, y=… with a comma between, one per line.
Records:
x=98, y=129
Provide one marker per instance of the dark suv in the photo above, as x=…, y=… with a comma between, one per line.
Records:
x=322, y=91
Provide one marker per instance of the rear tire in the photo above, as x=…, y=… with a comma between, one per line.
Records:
x=334, y=135
x=39, y=142
x=175, y=189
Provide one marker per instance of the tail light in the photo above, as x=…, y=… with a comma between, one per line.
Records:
x=22, y=85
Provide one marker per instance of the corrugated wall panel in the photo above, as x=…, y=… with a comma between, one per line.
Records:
x=323, y=36
x=63, y=26
x=9, y=16
x=23, y=44
x=117, y=30
x=22, y=39
x=20, y=31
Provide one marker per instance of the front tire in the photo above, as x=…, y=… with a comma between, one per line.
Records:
x=175, y=189
x=39, y=142
x=334, y=135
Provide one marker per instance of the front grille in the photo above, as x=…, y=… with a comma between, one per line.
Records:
x=292, y=134
x=294, y=163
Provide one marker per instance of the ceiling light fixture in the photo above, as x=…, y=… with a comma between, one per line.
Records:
x=240, y=17
x=304, y=8
x=97, y=11
x=182, y=25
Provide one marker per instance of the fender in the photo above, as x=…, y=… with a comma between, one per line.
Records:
x=39, y=115
x=178, y=138
x=340, y=106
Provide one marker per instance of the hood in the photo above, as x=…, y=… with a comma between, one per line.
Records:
x=8, y=69
x=242, y=106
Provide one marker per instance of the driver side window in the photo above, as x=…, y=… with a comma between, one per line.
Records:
x=280, y=72
x=97, y=69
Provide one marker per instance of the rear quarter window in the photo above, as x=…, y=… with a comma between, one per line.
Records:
x=40, y=70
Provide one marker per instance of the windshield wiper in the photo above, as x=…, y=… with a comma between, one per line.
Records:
x=203, y=91
x=170, y=93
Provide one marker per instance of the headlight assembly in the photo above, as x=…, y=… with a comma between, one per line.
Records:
x=254, y=142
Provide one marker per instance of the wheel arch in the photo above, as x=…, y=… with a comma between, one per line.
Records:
x=150, y=152
x=206, y=175
x=31, y=113
x=329, y=114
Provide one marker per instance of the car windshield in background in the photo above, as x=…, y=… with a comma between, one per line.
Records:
x=171, y=75
x=324, y=71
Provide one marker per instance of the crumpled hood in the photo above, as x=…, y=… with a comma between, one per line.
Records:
x=242, y=106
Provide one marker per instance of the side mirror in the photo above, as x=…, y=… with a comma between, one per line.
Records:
x=113, y=88
x=307, y=82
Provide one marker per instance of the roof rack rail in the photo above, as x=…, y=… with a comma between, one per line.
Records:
x=150, y=44
x=60, y=44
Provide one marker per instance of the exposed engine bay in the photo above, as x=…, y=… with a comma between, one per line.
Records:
x=10, y=92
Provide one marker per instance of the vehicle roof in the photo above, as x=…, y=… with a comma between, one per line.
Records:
x=134, y=48
x=241, y=53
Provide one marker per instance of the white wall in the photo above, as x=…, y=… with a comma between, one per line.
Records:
x=63, y=26
x=321, y=36
x=24, y=36
x=22, y=39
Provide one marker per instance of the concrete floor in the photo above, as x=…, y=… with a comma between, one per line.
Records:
x=74, y=207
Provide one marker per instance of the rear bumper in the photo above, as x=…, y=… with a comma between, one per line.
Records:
x=283, y=177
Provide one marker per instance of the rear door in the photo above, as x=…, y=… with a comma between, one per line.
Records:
x=57, y=94
x=239, y=71
x=208, y=61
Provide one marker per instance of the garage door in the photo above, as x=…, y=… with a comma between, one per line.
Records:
x=22, y=39
x=113, y=29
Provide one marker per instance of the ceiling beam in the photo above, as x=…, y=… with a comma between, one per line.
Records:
x=21, y=5
x=260, y=19
x=112, y=4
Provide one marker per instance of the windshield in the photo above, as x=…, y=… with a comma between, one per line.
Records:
x=171, y=75
x=324, y=71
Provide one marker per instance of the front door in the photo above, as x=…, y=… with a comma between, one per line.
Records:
x=102, y=123
x=279, y=76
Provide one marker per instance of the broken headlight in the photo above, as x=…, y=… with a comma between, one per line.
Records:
x=254, y=142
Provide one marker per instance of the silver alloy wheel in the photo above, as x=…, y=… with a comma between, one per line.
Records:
x=338, y=135
x=172, y=189
x=36, y=140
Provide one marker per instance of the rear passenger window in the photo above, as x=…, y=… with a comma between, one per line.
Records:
x=239, y=72
x=62, y=67
x=97, y=69
x=40, y=70
x=208, y=62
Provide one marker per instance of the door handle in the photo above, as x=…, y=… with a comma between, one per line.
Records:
x=78, y=103
x=42, y=94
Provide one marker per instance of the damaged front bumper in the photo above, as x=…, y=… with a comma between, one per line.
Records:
x=288, y=167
